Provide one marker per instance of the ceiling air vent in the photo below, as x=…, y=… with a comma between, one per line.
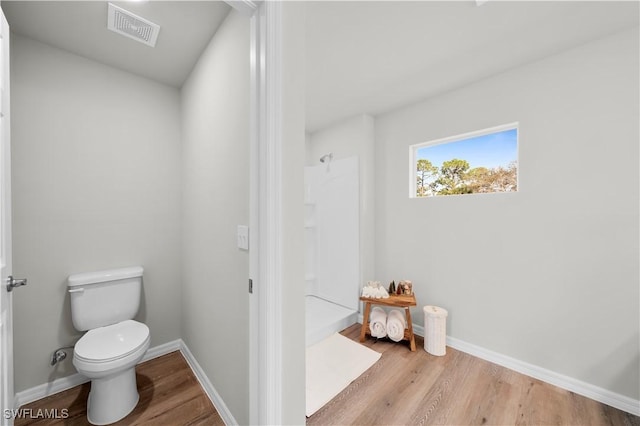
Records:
x=132, y=26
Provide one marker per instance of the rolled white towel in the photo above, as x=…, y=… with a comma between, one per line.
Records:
x=378, y=322
x=396, y=323
x=366, y=291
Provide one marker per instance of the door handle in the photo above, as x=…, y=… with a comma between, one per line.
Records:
x=13, y=282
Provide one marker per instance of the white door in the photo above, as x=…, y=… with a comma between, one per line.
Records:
x=6, y=330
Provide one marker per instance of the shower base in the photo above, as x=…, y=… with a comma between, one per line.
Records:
x=325, y=318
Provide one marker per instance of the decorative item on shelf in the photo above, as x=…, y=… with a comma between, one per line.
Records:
x=374, y=290
x=392, y=287
x=405, y=287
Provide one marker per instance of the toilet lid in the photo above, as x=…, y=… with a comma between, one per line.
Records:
x=112, y=341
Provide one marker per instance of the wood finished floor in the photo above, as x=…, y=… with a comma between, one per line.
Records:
x=415, y=388
x=169, y=395
x=403, y=388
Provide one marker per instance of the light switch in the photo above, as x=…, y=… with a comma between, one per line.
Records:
x=243, y=237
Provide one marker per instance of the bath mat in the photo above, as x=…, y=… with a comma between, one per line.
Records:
x=332, y=364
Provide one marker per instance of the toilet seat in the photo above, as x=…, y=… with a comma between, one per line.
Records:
x=111, y=343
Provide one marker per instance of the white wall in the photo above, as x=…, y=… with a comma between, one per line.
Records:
x=353, y=137
x=215, y=187
x=548, y=275
x=96, y=160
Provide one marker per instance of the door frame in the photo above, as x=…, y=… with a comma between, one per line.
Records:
x=265, y=257
x=7, y=398
x=266, y=323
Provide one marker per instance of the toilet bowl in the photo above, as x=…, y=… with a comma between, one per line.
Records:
x=104, y=304
x=107, y=356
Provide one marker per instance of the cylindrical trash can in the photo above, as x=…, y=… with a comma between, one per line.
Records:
x=435, y=330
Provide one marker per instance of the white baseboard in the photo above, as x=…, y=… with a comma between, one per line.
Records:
x=588, y=390
x=62, y=384
x=47, y=389
x=165, y=348
x=206, y=384
x=579, y=387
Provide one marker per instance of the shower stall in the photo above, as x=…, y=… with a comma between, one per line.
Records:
x=332, y=231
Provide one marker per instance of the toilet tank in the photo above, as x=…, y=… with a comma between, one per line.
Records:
x=103, y=298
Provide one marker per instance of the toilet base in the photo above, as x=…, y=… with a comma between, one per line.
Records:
x=112, y=398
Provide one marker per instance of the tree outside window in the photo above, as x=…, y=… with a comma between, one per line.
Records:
x=476, y=163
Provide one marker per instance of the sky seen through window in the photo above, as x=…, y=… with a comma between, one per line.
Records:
x=490, y=151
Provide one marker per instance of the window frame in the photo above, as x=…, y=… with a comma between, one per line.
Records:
x=413, y=152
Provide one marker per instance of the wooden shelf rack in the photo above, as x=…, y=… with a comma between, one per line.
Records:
x=402, y=301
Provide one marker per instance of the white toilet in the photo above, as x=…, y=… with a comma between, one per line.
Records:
x=104, y=303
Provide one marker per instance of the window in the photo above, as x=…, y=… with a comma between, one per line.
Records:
x=479, y=162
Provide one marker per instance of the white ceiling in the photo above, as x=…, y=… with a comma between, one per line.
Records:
x=186, y=27
x=372, y=57
x=362, y=56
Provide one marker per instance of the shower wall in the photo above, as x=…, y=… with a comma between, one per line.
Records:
x=351, y=142
x=348, y=138
x=332, y=231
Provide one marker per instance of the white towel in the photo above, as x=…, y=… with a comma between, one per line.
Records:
x=383, y=293
x=396, y=323
x=377, y=322
x=374, y=292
